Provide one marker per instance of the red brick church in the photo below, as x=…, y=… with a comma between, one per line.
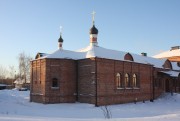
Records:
x=100, y=76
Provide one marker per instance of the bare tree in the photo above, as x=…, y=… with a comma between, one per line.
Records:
x=24, y=66
x=106, y=110
x=12, y=72
x=3, y=72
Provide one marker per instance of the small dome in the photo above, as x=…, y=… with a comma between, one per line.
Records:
x=60, y=39
x=93, y=30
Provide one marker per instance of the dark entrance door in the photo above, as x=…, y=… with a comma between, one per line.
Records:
x=167, y=89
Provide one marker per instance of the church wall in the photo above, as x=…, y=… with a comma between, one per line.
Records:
x=43, y=72
x=106, y=76
x=105, y=81
x=79, y=80
x=38, y=72
x=163, y=83
x=64, y=70
x=159, y=83
x=86, y=81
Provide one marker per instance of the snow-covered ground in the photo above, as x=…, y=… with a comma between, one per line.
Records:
x=15, y=106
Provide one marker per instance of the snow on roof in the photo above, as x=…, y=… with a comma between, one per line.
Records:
x=149, y=60
x=67, y=54
x=175, y=66
x=19, y=81
x=97, y=51
x=169, y=53
x=171, y=73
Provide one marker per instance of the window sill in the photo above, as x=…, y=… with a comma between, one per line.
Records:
x=54, y=88
x=120, y=88
x=37, y=94
x=128, y=88
x=136, y=88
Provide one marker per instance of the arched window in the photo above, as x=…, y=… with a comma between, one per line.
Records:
x=129, y=57
x=55, y=82
x=135, y=80
x=167, y=64
x=127, y=81
x=118, y=80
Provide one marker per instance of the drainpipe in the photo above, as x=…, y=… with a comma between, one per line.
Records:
x=31, y=82
x=96, y=103
x=153, y=90
x=175, y=84
x=153, y=84
x=77, y=81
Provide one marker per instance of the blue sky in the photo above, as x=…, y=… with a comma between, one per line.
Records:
x=133, y=26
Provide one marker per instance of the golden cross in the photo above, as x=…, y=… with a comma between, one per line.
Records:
x=93, y=16
x=60, y=30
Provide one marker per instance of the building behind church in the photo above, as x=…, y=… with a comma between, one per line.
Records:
x=173, y=54
x=100, y=76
